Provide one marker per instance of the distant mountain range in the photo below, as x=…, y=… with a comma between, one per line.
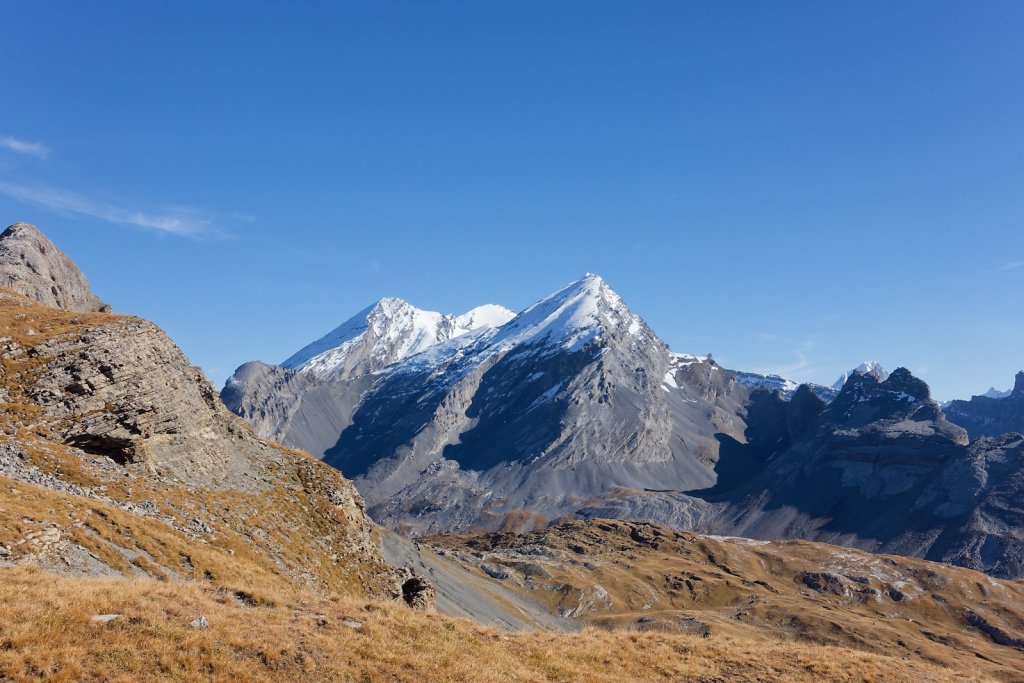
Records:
x=993, y=413
x=119, y=461
x=575, y=408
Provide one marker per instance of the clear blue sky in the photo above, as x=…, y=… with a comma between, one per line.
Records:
x=795, y=187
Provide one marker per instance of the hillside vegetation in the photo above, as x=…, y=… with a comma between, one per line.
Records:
x=48, y=632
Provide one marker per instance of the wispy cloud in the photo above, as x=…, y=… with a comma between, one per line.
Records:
x=181, y=221
x=1010, y=266
x=802, y=362
x=32, y=149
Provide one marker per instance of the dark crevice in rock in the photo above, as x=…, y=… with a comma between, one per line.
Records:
x=419, y=593
x=120, y=450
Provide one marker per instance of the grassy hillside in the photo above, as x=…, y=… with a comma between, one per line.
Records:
x=617, y=574
x=47, y=632
x=166, y=483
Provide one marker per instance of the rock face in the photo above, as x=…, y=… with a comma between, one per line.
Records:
x=125, y=391
x=110, y=423
x=31, y=265
x=575, y=408
x=574, y=403
x=880, y=468
x=991, y=416
x=294, y=407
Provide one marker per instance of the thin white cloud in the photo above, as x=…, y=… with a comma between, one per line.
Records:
x=801, y=366
x=1010, y=266
x=32, y=149
x=184, y=222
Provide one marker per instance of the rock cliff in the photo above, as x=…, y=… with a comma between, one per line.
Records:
x=32, y=265
x=120, y=458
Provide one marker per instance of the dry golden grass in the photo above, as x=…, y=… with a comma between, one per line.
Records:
x=656, y=579
x=265, y=542
x=46, y=633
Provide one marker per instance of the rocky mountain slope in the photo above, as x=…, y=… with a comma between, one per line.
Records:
x=617, y=574
x=309, y=400
x=31, y=265
x=991, y=415
x=119, y=458
x=880, y=468
x=575, y=408
x=573, y=399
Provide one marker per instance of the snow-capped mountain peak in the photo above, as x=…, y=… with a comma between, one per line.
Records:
x=572, y=316
x=996, y=393
x=868, y=367
x=488, y=315
x=388, y=331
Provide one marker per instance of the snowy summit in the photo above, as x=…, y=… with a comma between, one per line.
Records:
x=385, y=333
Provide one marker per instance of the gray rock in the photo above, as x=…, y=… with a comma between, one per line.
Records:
x=31, y=265
x=500, y=427
x=420, y=594
x=199, y=622
x=118, y=391
x=991, y=416
x=496, y=571
x=104, y=618
x=824, y=582
x=880, y=468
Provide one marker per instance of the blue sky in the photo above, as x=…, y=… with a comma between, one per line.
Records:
x=794, y=187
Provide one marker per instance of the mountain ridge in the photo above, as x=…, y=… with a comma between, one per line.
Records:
x=575, y=407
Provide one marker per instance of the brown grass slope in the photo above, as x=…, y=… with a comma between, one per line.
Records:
x=47, y=633
x=617, y=574
x=119, y=459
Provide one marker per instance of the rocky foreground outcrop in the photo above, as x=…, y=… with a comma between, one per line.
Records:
x=31, y=265
x=119, y=457
x=131, y=462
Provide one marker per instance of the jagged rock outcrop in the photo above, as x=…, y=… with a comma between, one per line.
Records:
x=32, y=265
x=991, y=416
x=880, y=468
x=125, y=391
x=123, y=452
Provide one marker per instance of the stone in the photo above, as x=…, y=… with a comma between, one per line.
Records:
x=104, y=618
x=31, y=265
x=419, y=594
x=200, y=622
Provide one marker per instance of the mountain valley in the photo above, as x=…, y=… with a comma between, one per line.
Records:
x=567, y=494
